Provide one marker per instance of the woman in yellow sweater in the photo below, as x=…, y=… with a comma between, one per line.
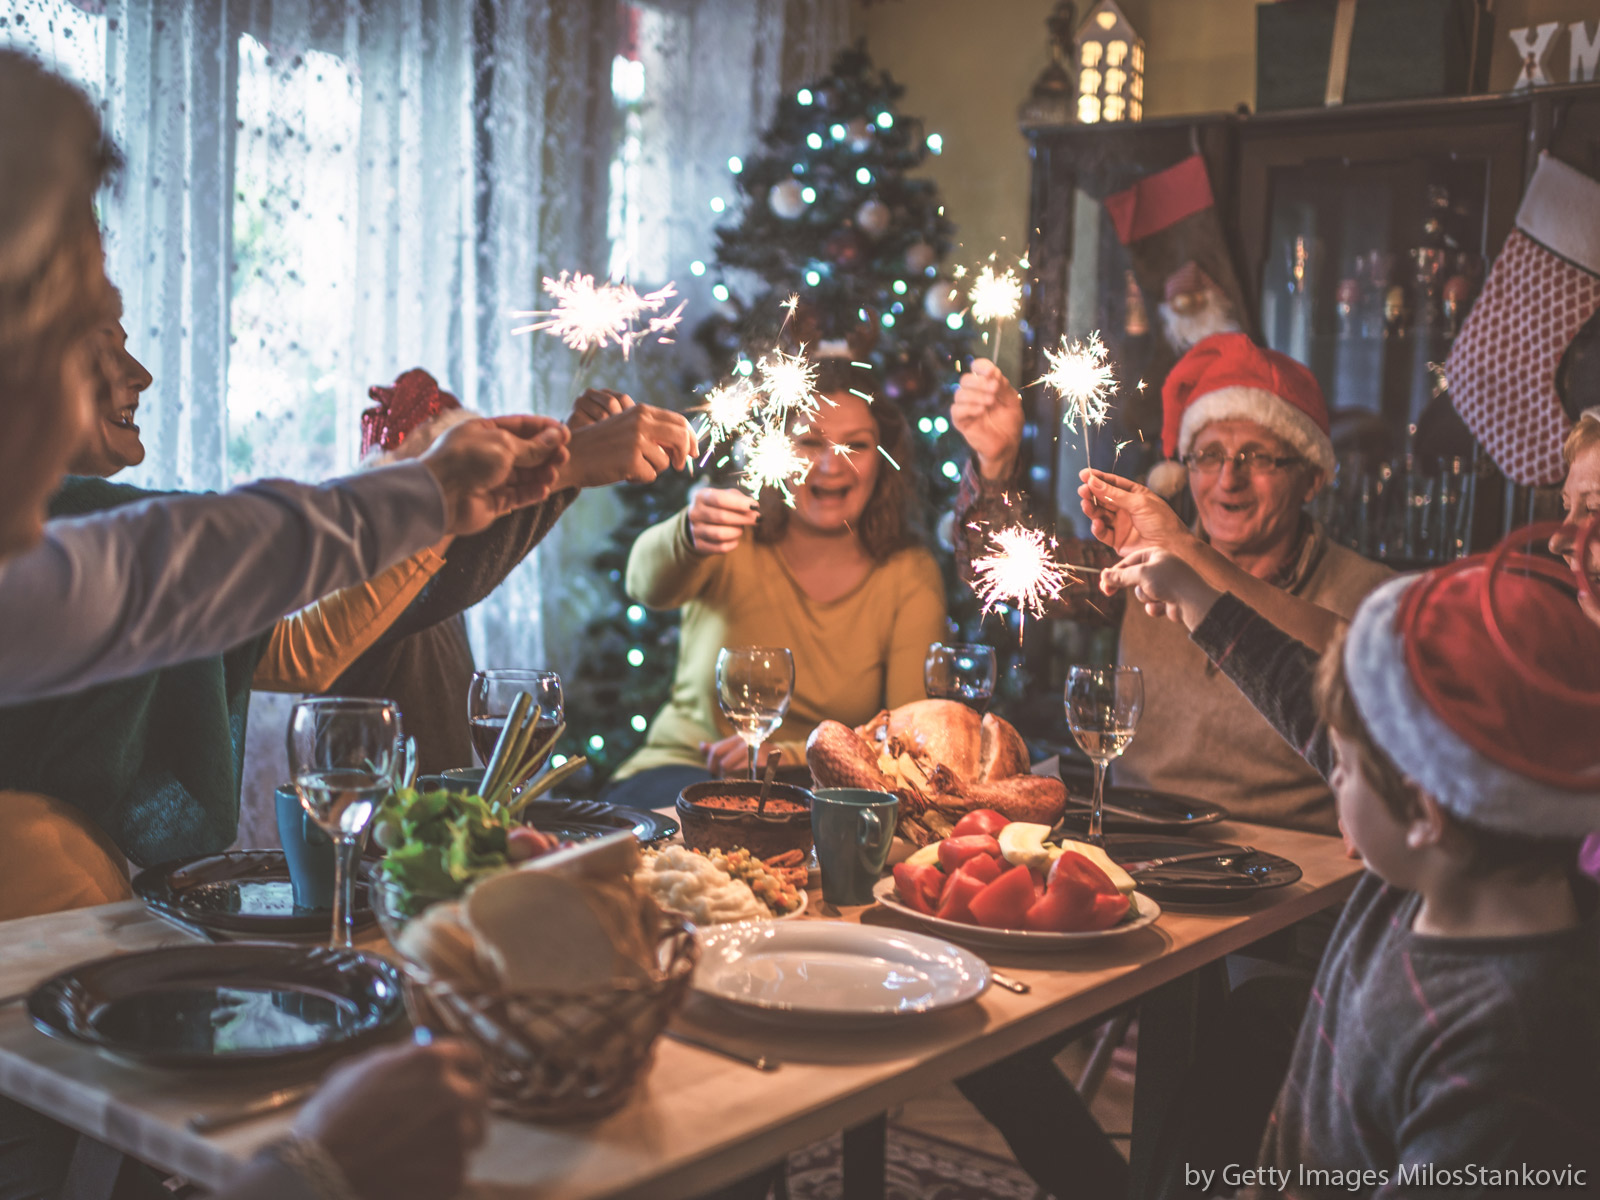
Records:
x=842, y=579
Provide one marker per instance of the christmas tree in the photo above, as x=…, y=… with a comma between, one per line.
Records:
x=831, y=217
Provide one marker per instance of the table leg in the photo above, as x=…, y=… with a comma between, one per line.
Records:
x=94, y=1172
x=1173, y=1021
x=865, y=1148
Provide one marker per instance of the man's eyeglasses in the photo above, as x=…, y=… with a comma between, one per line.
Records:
x=1249, y=462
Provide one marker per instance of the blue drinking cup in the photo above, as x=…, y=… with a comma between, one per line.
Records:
x=309, y=851
x=853, y=829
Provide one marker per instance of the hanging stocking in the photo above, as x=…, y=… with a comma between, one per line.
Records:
x=1168, y=221
x=1543, y=287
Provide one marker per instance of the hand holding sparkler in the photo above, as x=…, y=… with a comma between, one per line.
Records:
x=718, y=518
x=596, y=404
x=635, y=445
x=1128, y=516
x=1164, y=583
x=987, y=412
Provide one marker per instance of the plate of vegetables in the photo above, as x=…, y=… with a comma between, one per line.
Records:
x=995, y=882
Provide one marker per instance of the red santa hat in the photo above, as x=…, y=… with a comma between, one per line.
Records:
x=412, y=402
x=1481, y=681
x=1227, y=377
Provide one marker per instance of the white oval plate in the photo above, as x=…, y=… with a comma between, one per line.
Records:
x=1145, y=912
x=829, y=972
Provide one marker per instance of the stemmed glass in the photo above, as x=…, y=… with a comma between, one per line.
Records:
x=959, y=672
x=1103, y=707
x=489, y=700
x=754, y=686
x=344, y=757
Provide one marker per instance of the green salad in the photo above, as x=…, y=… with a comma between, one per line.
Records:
x=437, y=844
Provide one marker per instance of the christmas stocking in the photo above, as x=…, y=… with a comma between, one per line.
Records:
x=1168, y=222
x=1543, y=287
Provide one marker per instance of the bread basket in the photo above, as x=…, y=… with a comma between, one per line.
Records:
x=562, y=1056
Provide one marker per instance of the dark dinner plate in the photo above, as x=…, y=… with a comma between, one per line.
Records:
x=240, y=891
x=1231, y=876
x=578, y=820
x=1145, y=811
x=242, y=1003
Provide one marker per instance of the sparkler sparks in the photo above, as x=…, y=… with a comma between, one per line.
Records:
x=589, y=316
x=1080, y=375
x=788, y=382
x=772, y=461
x=995, y=297
x=1020, y=569
x=728, y=407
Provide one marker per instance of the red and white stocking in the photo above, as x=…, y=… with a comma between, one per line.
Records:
x=1543, y=287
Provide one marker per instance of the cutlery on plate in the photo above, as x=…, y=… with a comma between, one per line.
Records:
x=759, y=1061
x=1223, y=854
x=210, y=1122
x=1010, y=984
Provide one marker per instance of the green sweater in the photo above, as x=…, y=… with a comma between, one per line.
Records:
x=152, y=760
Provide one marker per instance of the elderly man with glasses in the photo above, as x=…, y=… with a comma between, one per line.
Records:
x=1249, y=429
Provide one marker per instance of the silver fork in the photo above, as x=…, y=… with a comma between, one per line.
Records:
x=1220, y=853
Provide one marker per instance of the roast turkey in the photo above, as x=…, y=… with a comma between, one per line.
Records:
x=941, y=759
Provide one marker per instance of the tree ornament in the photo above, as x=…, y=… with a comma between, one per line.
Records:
x=920, y=256
x=942, y=299
x=872, y=218
x=787, y=199
x=858, y=134
x=845, y=247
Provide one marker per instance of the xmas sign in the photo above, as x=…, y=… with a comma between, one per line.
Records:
x=1537, y=45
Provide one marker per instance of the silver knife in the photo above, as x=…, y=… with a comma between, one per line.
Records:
x=210, y=1122
x=1010, y=984
x=1217, y=852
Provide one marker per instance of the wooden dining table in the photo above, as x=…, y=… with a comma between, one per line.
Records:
x=698, y=1120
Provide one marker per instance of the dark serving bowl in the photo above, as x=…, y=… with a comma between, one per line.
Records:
x=721, y=815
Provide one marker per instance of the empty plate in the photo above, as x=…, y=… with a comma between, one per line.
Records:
x=222, y=1005
x=1144, y=911
x=830, y=973
x=241, y=892
x=1232, y=874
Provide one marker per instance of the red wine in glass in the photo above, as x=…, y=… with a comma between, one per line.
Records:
x=486, y=733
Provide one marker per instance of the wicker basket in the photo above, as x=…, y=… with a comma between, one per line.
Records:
x=557, y=1056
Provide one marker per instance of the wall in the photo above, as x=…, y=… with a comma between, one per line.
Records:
x=968, y=64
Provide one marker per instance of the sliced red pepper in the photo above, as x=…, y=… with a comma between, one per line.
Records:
x=1004, y=903
x=954, y=851
x=958, y=896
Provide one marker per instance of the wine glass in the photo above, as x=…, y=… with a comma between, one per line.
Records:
x=344, y=755
x=489, y=700
x=754, y=686
x=1103, y=707
x=958, y=671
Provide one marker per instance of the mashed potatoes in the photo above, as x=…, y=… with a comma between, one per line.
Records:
x=691, y=884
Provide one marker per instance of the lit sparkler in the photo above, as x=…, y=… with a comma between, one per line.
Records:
x=1019, y=568
x=728, y=408
x=772, y=461
x=995, y=297
x=1080, y=375
x=788, y=382
x=589, y=316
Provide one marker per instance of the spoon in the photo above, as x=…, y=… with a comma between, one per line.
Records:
x=766, y=780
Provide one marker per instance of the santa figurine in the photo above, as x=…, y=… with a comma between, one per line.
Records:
x=1194, y=308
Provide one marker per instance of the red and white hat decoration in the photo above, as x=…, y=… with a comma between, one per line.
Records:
x=1227, y=377
x=413, y=402
x=1481, y=681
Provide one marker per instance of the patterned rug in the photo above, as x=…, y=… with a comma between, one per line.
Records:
x=920, y=1167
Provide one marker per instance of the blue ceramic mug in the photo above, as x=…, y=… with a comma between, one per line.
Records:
x=853, y=829
x=308, y=849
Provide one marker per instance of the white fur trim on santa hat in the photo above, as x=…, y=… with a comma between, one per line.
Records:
x=1167, y=478
x=1434, y=756
x=1267, y=410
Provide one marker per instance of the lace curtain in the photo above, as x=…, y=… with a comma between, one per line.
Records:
x=319, y=194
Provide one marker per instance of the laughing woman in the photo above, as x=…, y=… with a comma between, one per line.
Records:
x=842, y=579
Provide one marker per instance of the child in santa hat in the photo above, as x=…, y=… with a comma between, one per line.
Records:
x=1453, y=1036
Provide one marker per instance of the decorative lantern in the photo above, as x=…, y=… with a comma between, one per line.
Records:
x=1110, y=67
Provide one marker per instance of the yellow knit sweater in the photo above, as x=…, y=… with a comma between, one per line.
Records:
x=852, y=656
